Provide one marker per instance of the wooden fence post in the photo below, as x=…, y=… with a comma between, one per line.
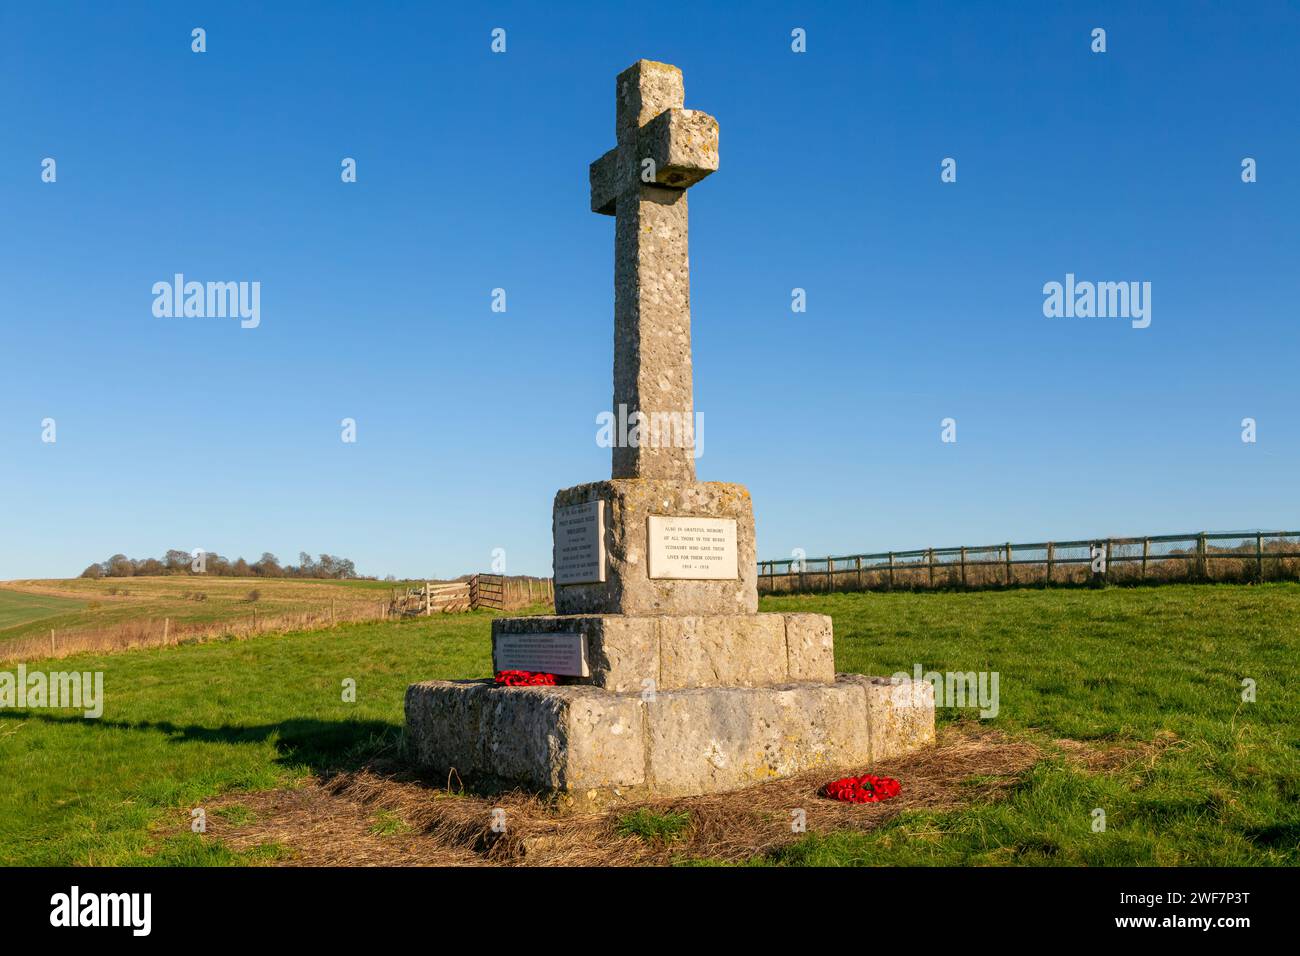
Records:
x=428, y=599
x=1198, y=569
x=51, y=642
x=166, y=627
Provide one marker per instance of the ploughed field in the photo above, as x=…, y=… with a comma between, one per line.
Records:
x=1126, y=700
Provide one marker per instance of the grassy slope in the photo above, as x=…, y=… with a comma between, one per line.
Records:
x=182, y=724
x=17, y=608
x=92, y=606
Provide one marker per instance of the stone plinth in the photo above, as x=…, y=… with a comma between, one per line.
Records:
x=589, y=745
x=728, y=650
x=628, y=587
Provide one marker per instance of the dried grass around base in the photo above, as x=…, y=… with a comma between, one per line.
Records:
x=385, y=816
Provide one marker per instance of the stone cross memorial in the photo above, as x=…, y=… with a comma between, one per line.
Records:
x=669, y=680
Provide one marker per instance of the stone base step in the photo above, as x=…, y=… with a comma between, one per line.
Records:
x=628, y=653
x=588, y=745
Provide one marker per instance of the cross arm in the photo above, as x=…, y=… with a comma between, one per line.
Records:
x=683, y=145
x=604, y=183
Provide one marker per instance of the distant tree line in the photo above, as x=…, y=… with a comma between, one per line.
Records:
x=182, y=562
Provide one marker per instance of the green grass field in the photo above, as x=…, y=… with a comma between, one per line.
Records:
x=182, y=725
x=18, y=608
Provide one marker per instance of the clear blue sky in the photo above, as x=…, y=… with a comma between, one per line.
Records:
x=924, y=298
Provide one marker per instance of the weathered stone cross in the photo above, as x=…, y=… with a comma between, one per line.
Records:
x=662, y=150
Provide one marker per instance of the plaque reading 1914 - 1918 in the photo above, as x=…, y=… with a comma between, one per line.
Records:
x=580, y=543
x=545, y=653
x=692, y=548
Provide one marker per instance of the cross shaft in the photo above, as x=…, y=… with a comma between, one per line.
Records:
x=662, y=150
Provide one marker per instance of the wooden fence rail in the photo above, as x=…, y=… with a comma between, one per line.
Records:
x=1203, y=556
x=480, y=591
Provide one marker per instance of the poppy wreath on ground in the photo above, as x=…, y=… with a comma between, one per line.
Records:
x=867, y=788
x=524, y=679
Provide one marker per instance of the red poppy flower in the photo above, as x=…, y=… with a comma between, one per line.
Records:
x=524, y=679
x=867, y=788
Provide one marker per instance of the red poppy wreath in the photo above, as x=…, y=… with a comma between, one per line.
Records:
x=524, y=679
x=867, y=788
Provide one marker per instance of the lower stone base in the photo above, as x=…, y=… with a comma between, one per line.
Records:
x=588, y=744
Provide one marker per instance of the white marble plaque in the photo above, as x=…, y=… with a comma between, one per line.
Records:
x=692, y=548
x=542, y=653
x=580, y=543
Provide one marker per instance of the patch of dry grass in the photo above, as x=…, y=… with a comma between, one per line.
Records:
x=130, y=613
x=159, y=632
x=331, y=822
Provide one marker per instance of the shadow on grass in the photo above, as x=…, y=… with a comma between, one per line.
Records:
x=1278, y=836
x=322, y=745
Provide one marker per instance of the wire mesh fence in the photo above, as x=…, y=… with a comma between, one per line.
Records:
x=1227, y=556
